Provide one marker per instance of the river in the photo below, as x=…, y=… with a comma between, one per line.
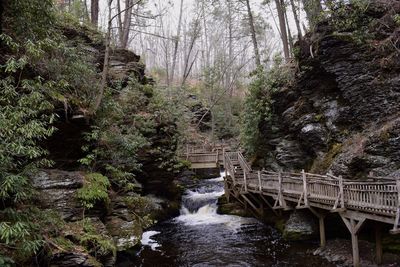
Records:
x=201, y=237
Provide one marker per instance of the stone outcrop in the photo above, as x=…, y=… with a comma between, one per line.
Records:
x=341, y=114
x=300, y=226
x=56, y=189
x=123, y=225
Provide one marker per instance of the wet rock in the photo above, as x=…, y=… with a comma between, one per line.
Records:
x=73, y=259
x=339, y=251
x=57, y=190
x=231, y=208
x=290, y=154
x=314, y=136
x=300, y=226
x=123, y=225
x=344, y=94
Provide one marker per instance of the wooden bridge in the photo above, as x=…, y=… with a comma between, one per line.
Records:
x=206, y=156
x=376, y=199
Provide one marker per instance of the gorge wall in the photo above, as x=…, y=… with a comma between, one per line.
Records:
x=341, y=112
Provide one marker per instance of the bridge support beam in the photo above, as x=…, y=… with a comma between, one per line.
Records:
x=321, y=220
x=378, y=243
x=322, y=236
x=354, y=227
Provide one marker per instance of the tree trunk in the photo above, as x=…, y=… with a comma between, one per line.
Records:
x=253, y=34
x=104, y=74
x=296, y=19
x=313, y=9
x=94, y=11
x=126, y=24
x=230, y=46
x=283, y=31
x=291, y=45
x=1, y=16
x=119, y=21
x=176, y=43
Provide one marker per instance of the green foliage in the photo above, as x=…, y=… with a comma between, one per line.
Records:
x=6, y=261
x=19, y=232
x=143, y=208
x=396, y=19
x=97, y=243
x=22, y=128
x=127, y=125
x=352, y=18
x=94, y=190
x=33, y=20
x=257, y=107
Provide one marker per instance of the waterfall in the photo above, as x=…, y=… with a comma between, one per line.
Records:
x=199, y=206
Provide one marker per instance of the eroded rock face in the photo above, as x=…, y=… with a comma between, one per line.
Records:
x=72, y=259
x=123, y=225
x=345, y=94
x=57, y=190
x=300, y=226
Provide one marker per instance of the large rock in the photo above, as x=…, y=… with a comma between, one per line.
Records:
x=290, y=155
x=123, y=225
x=300, y=226
x=73, y=259
x=57, y=190
x=346, y=94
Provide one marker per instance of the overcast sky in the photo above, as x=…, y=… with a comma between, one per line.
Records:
x=189, y=6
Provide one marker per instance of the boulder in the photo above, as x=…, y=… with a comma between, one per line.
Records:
x=57, y=189
x=123, y=225
x=300, y=226
x=73, y=259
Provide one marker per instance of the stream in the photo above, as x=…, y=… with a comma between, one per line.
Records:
x=201, y=237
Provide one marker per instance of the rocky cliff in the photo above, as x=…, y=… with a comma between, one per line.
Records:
x=95, y=236
x=341, y=112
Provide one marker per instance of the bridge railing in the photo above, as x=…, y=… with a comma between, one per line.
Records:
x=378, y=196
x=205, y=157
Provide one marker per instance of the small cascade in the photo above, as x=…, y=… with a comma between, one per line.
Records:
x=200, y=236
x=199, y=206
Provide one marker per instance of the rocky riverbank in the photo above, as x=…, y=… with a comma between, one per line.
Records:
x=339, y=251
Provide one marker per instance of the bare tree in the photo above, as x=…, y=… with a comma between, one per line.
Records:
x=313, y=9
x=94, y=12
x=103, y=82
x=296, y=19
x=282, y=26
x=176, y=43
x=253, y=34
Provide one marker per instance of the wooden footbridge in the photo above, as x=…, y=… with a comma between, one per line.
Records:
x=376, y=199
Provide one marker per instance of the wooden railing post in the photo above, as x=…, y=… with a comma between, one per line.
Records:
x=305, y=193
x=245, y=181
x=259, y=181
x=280, y=188
x=187, y=151
x=341, y=191
x=396, y=229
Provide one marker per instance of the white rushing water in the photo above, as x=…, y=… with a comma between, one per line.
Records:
x=200, y=236
x=199, y=207
x=147, y=241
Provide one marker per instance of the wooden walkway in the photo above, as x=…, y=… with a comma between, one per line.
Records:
x=205, y=157
x=376, y=199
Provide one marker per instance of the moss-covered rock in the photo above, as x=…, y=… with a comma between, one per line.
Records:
x=231, y=208
x=300, y=226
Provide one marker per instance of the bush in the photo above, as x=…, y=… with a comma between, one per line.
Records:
x=258, y=103
x=94, y=190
